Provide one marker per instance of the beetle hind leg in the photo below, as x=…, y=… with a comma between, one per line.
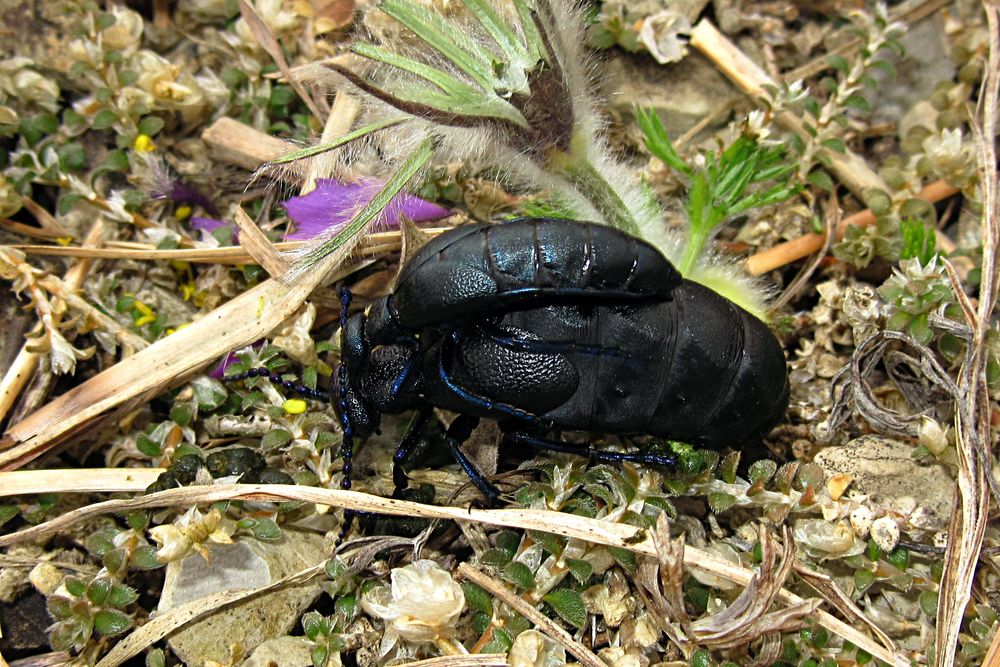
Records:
x=402, y=454
x=596, y=454
x=457, y=433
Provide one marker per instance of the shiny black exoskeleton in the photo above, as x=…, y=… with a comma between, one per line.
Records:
x=549, y=324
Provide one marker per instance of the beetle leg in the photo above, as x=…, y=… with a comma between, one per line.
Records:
x=457, y=433
x=399, y=478
x=596, y=454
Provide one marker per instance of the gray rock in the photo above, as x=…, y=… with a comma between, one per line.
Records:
x=885, y=469
x=245, y=564
x=682, y=93
x=283, y=652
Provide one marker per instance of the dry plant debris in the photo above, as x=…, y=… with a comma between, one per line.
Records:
x=174, y=176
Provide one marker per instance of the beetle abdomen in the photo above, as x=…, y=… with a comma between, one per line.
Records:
x=727, y=380
x=481, y=269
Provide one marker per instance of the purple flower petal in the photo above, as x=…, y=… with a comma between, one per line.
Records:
x=183, y=193
x=332, y=205
x=208, y=226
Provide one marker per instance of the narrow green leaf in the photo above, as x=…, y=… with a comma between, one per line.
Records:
x=505, y=38
x=569, y=605
x=445, y=37
x=310, y=151
x=835, y=145
x=657, y=141
x=407, y=170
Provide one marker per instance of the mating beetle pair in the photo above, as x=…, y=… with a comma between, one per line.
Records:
x=547, y=324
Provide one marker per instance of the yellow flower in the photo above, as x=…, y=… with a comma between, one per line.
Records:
x=294, y=406
x=144, y=143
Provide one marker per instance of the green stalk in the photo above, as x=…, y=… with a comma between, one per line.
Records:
x=590, y=183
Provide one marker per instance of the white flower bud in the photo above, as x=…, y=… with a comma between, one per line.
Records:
x=423, y=603
x=533, y=649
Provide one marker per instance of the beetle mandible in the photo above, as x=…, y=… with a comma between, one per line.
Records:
x=544, y=324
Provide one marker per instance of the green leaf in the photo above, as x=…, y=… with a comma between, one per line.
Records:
x=477, y=598
x=406, y=171
x=657, y=141
x=148, y=446
x=569, y=605
x=8, y=512
x=720, y=502
x=319, y=656
x=505, y=38
x=838, y=63
x=98, y=589
x=144, y=558
x=554, y=544
x=121, y=595
x=181, y=414
x=495, y=557
x=274, y=438
x=75, y=586
x=111, y=622
x=151, y=125
x=821, y=179
x=580, y=569
x=72, y=156
x=857, y=102
x=509, y=541
x=447, y=38
x=104, y=119
x=762, y=469
x=624, y=558
x=863, y=579
x=116, y=160
x=519, y=574
x=835, y=145
x=266, y=530
x=336, y=143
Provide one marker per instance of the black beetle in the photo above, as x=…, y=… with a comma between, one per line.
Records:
x=548, y=324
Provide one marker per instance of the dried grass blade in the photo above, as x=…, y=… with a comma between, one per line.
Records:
x=567, y=525
x=259, y=246
x=972, y=423
x=248, y=317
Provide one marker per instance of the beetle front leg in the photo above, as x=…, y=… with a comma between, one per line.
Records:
x=596, y=454
x=458, y=433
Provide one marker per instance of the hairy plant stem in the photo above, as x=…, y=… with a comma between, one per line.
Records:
x=575, y=166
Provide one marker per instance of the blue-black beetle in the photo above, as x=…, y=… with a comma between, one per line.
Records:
x=547, y=324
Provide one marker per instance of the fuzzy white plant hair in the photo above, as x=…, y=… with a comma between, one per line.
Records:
x=561, y=150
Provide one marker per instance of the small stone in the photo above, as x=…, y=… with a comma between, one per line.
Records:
x=284, y=651
x=885, y=532
x=46, y=578
x=924, y=518
x=837, y=484
x=245, y=564
x=861, y=521
x=885, y=470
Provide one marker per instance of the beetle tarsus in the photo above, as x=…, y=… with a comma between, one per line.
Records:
x=596, y=454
